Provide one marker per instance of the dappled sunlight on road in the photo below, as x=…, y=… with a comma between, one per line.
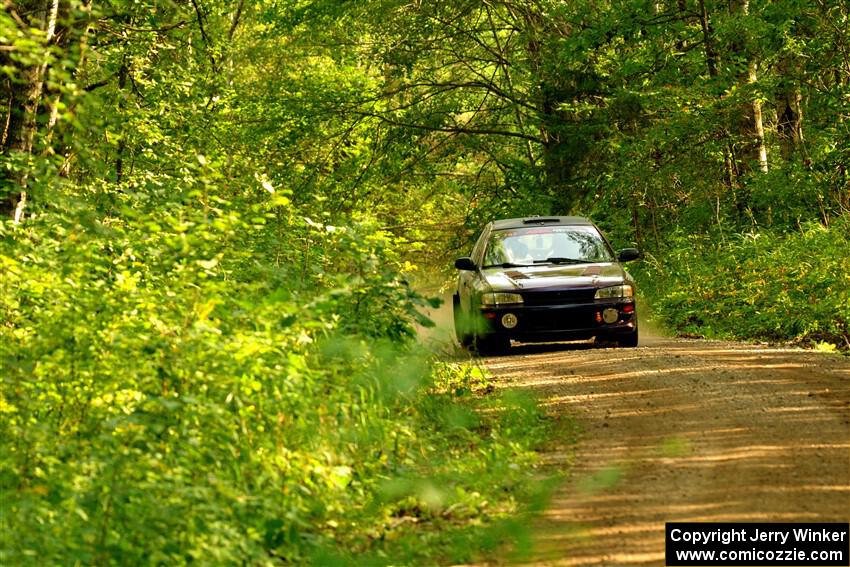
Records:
x=684, y=431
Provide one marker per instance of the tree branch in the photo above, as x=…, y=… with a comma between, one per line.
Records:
x=450, y=130
x=200, y=17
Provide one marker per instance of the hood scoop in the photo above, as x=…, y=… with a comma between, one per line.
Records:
x=515, y=275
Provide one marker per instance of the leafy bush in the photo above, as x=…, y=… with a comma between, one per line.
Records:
x=780, y=287
x=215, y=387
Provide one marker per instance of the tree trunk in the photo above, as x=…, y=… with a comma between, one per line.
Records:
x=26, y=95
x=554, y=163
x=7, y=111
x=758, y=122
x=708, y=40
x=789, y=124
x=751, y=123
x=122, y=142
x=682, y=7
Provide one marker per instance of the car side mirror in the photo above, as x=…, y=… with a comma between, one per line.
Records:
x=628, y=254
x=466, y=264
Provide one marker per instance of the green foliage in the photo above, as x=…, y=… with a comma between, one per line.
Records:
x=207, y=344
x=206, y=320
x=793, y=287
x=171, y=393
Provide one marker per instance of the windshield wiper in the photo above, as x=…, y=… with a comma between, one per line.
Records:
x=507, y=265
x=557, y=260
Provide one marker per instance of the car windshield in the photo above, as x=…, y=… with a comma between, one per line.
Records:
x=550, y=244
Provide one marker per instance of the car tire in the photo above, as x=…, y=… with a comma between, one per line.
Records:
x=492, y=346
x=464, y=338
x=628, y=341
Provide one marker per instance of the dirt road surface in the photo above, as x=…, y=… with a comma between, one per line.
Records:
x=684, y=430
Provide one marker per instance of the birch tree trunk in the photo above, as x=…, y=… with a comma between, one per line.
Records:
x=26, y=95
x=758, y=121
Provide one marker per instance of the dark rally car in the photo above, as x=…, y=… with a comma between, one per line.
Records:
x=541, y=279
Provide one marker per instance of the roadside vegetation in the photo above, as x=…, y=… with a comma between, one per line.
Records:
x=746, y=288
x=170, y=395
x=212, y=212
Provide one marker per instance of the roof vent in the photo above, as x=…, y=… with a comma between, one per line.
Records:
x=538, y=220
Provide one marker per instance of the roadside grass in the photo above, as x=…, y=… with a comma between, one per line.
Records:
x=477, y=491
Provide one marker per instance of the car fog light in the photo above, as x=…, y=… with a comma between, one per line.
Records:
x=610, y=315
x=509, y=320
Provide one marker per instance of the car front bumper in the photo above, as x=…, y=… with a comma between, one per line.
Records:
x=574, y=321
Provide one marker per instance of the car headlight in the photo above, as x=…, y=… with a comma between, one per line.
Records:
x=495, y=299
x=617, y=291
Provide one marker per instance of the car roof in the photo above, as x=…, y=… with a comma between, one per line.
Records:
x=522, y=222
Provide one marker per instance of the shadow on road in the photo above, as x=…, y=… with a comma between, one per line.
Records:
x=684, y=430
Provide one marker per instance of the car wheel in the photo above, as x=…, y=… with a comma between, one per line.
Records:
x=492, y=346
x=463, y=336
x=628, y=341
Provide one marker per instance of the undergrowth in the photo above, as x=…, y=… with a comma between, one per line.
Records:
x=211, y=388
x=792, y=287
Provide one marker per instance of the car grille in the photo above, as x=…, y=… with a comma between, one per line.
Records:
x=561, y=297
x=559, y=321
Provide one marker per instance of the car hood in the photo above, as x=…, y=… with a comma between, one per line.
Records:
x=553, y=277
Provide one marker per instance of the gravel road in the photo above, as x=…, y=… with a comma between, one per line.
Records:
x=684, y=430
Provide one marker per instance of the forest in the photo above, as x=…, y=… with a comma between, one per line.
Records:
x=222, y=222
